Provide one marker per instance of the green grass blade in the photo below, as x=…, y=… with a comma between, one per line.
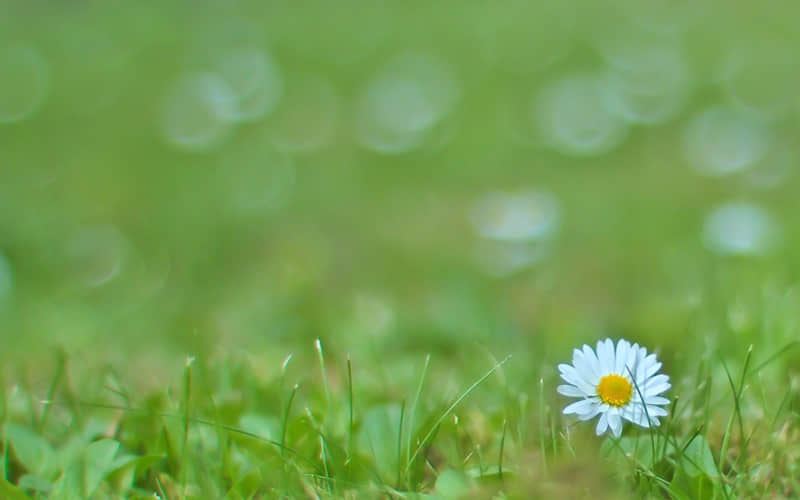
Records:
x=450, y=409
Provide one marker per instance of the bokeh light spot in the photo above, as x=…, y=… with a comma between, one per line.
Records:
x=516, y=217
x=197, y=112
x=400, y=106
x=721, y=141
x=96, y=254
x=24, y=82
x=308, y=115
x=517, y=228
x=256, y=81
x=6, y=278
x=647, y=84
x=740, y=228
x=574, y=117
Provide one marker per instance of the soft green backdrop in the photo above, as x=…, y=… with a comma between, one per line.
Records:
x=125, y=244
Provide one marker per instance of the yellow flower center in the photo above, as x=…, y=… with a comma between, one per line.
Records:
x=615, y=390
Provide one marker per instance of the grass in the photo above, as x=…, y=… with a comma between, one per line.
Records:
x=270, y=439
x=286, y=311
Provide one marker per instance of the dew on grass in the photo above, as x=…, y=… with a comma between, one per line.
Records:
x=6, y=278
x=24, y=82
x=516, y=217
x=401, y=105
x=721, y=141
x=197, y=112
x=307, y=117
x=740, y=228
x=573, y=116
x=96, y=254
x=255, y=81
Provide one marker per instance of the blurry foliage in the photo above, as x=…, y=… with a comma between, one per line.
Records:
x=233, y=180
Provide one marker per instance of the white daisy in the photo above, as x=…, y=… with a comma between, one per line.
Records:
x=615, y=384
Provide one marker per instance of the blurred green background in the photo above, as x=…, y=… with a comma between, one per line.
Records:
x=396, y=178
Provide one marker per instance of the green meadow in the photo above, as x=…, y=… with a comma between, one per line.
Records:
x=256, y=250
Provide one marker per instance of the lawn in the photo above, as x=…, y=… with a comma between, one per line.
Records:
x=339, y=250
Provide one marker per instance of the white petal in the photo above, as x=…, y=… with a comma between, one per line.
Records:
x=653, y=366
x=654, y=391
x=656, y=411
x=633, y=361
x=591, y=358
x=655, y=386
x=602, y=424
x=641, y=421
x=658, y=379
x=570, y=391
x=641, y=364
x=621, y=357
x=571, y=376
x=656, y=400
x=605, y=355
x=630, y=362
x=638, y=416
x=583, y=367
x=615, y=423
x=579, y=407
x=590, y=414
x=577, y=356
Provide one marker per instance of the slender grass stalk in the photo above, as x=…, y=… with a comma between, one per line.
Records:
x=413, y=413
x=324, y=450
x=449, y=410
x=481, y=465
x=646, y=413
x=542, y=429
x=400, y=443
x=321, y=354
x=350, y=419
x=3, y=422
x=187, y=394
x=285, y=422
x=502, y=449
x=736, y=416
x=51, y=391
x=201, y=421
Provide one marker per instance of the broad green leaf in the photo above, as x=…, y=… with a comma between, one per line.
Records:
x=142, y=462
x=451, y=484
x=697, y=487
x=99, y=461
x=246, y=486
x=697, y=458
x=35, y=483
x=10, y=492
x=121, y=471
x=69, y=485
x=378, y=436
x=640, y=448
x=34, y=451
x=262, y=426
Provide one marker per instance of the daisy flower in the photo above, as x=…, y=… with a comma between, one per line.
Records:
x=617, y=384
